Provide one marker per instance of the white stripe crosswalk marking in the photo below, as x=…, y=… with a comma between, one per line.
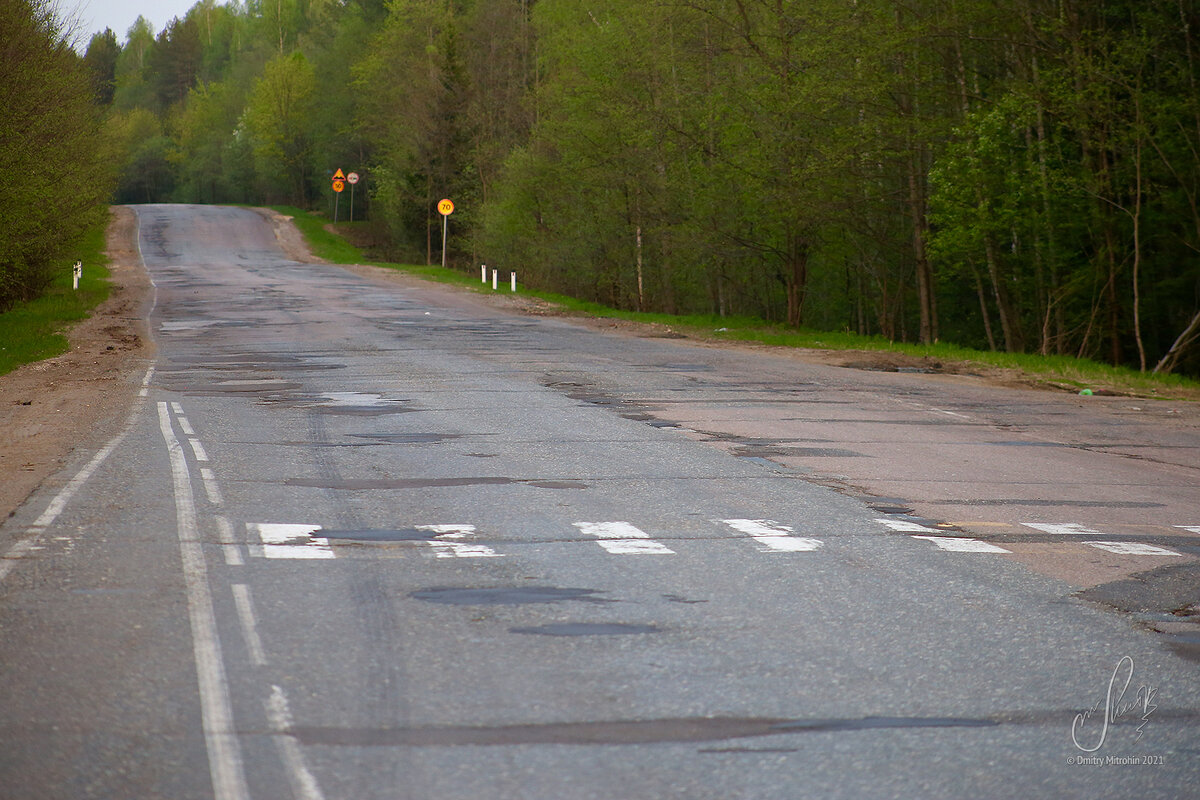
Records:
x=1062, y=528
x=446, y=547
x=623, y=539
x=952, y=544
x=905, y=526
x=773, y=537
x=956, y=545
x=1133, y=549
x=281, y=540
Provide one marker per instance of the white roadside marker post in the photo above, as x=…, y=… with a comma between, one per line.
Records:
x=514, y=282
x=76, y=274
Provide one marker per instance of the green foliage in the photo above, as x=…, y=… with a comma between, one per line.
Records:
x=57, y=167
x=1021, y=175
x=32, y=331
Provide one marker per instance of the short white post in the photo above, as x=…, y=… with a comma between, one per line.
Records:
x=514, y=281
x=483, y=273
x=76, y=274
x=495, y=277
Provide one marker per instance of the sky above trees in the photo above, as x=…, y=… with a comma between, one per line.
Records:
x=119, y=15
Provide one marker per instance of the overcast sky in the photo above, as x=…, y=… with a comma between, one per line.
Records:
x=96, y=15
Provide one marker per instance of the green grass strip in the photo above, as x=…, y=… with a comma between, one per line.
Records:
x=34, y=331
x=1063, y=372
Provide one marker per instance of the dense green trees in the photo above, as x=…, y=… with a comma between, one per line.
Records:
x=1014, y=174
x=56, y=167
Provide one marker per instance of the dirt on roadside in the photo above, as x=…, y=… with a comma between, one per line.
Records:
x=78, y=399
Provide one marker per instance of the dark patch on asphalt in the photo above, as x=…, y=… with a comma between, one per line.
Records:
x=364, y=410
x=1051, y=503
x=1026, y=444
x=587, y=629
x=1163, y=590
x=351, y=484
x=506, y=595
x=759, y=451
x=410, y=438
x=1168, y=592
x=381, y=535
x=614, y=732
x=675, y=598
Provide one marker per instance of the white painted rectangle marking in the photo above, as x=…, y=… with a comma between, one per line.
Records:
x=1133, y=549
x=623, y=539
x=281, y=540
x=185, y=426
x=1191, y=528
x=1062, y=528
x=904, y=526
x=773, y=537
x=955, y=545
x=446, y=547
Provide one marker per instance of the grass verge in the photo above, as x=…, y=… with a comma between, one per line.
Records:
x=1060, y=372
x=34, y=331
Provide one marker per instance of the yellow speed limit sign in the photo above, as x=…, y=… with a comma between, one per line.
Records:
x=445, y=208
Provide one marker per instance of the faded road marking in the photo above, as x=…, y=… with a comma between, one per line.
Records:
x=773, y=537
x=623, y=539
x=281, y=540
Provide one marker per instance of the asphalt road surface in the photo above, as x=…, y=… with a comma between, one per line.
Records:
x=365, y=539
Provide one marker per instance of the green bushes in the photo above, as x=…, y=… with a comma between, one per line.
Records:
x=57, y=174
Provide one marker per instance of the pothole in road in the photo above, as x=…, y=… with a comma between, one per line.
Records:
x=429, y=483
x=588, y=629
x=506, y=596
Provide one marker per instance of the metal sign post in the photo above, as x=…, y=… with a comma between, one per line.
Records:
x=339, y=185
x=445, y=208
x=352, y=178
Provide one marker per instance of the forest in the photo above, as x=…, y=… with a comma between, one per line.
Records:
x=1019, y=175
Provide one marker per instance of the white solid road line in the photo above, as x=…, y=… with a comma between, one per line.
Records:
x=216, y=712
x=773, y=537
x=34, y=533
x=621, y=538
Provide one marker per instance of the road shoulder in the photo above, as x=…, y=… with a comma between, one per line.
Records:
x=51, y=407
